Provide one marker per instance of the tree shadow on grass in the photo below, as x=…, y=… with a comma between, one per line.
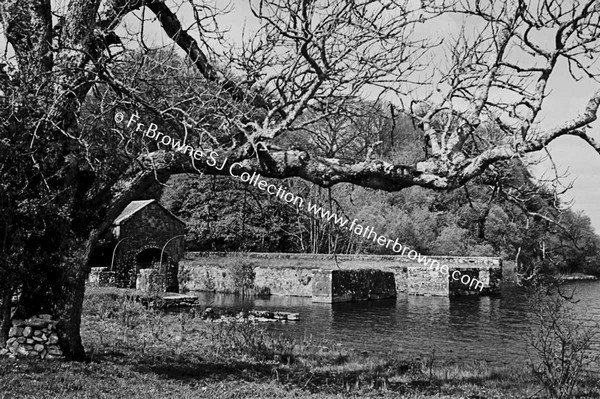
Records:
x=188, y=368
x=302, y=377
x=217, y=372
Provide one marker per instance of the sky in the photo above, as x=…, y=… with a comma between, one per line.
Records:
x=574, y=159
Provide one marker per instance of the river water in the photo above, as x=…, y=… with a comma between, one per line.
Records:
x=490, y=329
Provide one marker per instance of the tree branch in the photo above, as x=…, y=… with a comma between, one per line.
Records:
x=28, y=27
x=175, y=31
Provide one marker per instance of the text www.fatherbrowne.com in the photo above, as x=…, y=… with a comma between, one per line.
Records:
x=297, y=201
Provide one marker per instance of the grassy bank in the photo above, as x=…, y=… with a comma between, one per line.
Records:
x=138, y=353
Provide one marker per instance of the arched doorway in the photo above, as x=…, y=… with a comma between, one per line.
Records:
x=102, y=255
x=150, y=259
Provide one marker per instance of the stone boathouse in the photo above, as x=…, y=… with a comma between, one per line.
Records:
x=142, y=250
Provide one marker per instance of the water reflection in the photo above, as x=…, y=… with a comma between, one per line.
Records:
x=492, y=329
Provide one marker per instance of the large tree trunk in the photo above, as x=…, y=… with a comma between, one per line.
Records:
x=58, y=289
x=69, y=310
x=69, y=316
x=5, y=312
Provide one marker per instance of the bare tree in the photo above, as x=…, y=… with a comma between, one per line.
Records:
x=71, y=65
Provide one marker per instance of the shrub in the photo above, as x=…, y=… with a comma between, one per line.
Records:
x=243, y=275
x=561, y=343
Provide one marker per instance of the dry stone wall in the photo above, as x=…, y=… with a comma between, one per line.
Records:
x=35, y=337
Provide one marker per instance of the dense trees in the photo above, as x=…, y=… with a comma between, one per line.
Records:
x=67, y=169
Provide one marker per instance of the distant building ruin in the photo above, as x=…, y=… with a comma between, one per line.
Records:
x=142, y=250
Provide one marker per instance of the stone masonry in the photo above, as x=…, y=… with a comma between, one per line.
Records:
x=35, y=337
x=292, y=274
x=144, y=236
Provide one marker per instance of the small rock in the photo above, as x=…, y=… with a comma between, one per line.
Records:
x=44, y=337
x=4, y=352
x=53, y=340
x=27, y=331
x=54, y=352
x=21, y=340
x=15, y=331
x=28, y=347
x=262, y=314
x=29, y=341
x=37, y=333
x=36, y=322
x=33, y=354
x=22, y=351
x=45, y=317
x=10, y=341
x=38, y=339
x=43, y=354
x=38, y=348
x=264, y=319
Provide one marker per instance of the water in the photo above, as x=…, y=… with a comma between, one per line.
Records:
x=490, y=329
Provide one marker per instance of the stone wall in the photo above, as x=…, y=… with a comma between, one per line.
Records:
x=291, y=274
x=210, y=278
x=421, y=280
x=35, y=337
x=101, y=277
x=227, y=279
x=150, y=281
x=284, y=281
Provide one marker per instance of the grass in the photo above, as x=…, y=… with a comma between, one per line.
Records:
x=140, y=353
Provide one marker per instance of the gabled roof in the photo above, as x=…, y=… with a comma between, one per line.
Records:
x=135, y=206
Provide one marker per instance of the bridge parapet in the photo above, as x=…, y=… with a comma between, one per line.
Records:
x=292, y=274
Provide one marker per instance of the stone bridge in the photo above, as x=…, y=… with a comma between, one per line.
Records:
x=329, y=278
